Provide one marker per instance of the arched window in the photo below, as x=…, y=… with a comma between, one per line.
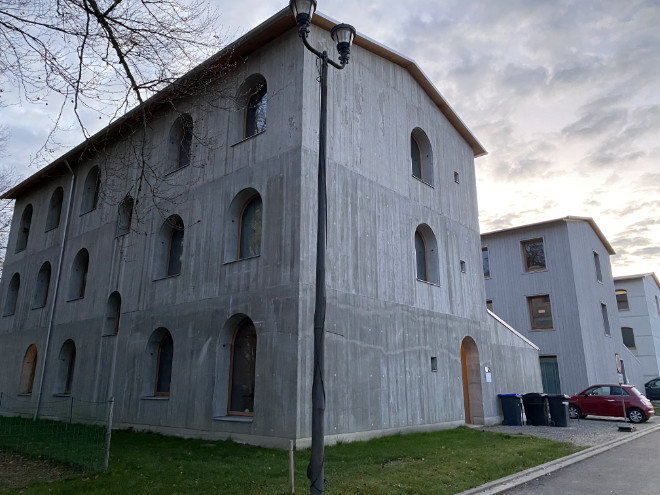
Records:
x=420, y=256
x=160, y=351
x=426, y=255
x=42, y=286
x=242, y=370
x=628, y=336
x=66, y=364
x=91, y=190
x=421, y=156
x=244, y=226
x=12, y=295
x=181, y=134
x=124, y=216
x=112, y=311
x=169, y=248
x=54, y=209
x=252, y=98
x=622, y=300
x=28, y=370
x=249, y=225
x=78, y=278
x=24, y=229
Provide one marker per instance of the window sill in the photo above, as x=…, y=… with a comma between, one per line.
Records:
x=242, y=259
x=61, y=395
x=108, y=335
x=51, y=229
x=540, y=270
x=549, y=329
x=247, y=138
x=38, y=307
x=167, y=277
x=7, y=316
x=75, y=299
x=427, y=282
x=174, y=171
x=234, y=419
x=26, y=394
x=155, y=397
x=86, y=212
x=422, y=181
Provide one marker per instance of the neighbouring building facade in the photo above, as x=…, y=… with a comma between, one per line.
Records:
x=638, y=302
x=196, y=314
x=552, y=281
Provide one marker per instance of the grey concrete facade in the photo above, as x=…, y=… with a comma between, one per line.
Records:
x=581, y=298
x=641, y=314
x=385, y=328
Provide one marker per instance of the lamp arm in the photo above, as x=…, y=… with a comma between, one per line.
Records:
x=303, y=35
x=336, y=65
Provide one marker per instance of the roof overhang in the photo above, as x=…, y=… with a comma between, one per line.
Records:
x=267, y=31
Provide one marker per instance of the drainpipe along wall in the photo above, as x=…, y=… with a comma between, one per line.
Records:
x=55, y=290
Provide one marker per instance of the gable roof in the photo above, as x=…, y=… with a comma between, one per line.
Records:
x=569, y=218
x=267, y=31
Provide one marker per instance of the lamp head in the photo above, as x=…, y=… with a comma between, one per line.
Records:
x=343, y=34
x=303, y=10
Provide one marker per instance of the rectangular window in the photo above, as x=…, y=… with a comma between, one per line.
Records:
x=606, y=319
x=463, y=269
x=485, y=261
x=540, y=313
x=628, y=338
x=533, y=255
x=489, y=304
x=599, y=273
x=434, y=363
x=657, y=304
x=622, y=300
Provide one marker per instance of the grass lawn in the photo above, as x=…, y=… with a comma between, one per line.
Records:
x=444, y=462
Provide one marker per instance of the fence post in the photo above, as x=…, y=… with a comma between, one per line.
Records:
x=108, y=434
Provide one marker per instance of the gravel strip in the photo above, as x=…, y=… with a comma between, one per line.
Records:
x=587, y=432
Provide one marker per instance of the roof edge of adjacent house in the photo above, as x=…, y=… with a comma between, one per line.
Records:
x=513, y=330
x=265, y=32
x=569, y=218
x=640, y=276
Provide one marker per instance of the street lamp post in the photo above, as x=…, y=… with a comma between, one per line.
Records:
x=343, y=34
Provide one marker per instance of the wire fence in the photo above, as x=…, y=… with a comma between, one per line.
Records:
x=67, y=430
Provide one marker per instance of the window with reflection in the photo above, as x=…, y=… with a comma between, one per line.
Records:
x=533, y=255
x=243, y=366
x=540, y=312
x=249, y=238
x=255, y=110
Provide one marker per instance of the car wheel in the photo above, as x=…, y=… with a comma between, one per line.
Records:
x=574, y=411
x=635, y=415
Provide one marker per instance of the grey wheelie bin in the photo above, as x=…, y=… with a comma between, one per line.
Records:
x=558, y=404
x=536, y=409
x=512, y=409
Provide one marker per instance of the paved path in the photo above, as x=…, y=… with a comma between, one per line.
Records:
x=631, y=468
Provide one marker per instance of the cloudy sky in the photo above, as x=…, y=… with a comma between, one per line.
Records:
x=564, y=95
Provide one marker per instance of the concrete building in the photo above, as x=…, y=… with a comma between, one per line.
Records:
x=553, y=282
x=197, y=315
x=638, y=302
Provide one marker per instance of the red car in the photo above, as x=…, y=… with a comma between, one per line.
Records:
x=605, y=400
